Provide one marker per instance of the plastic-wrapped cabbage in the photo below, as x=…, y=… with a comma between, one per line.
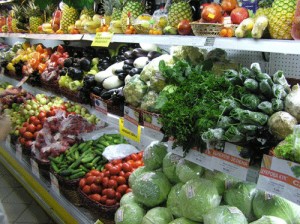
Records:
x=197, y=197
x=292, y=104
x=274, y=205
x=191, y=54
x=149, y=101
x=124, y=214
x=219, y=179
x=158, y=215
x=151, y=188
x=169, y=167
x=157, y=82
x=135, y=174
x=187, y=170
x=134, y=91
x=241, y=196
x=182, y=220
x=152, y=67
x=173, y=202
x=226, y=215
x=269, y=220
x=129, y=198
x=154, y=154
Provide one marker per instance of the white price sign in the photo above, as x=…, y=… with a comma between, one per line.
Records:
x=101, y=107
x=202, y=159
x=54, y=183
x=152, y=126
x=177, y=150
x=131, y=119
x=280, y=177
x=35, y=168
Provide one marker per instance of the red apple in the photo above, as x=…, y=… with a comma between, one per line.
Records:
x=184, y=27
x=238, y=15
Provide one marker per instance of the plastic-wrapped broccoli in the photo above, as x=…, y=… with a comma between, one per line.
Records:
x=191, y=54
x=149, y=101
x=157, y=82
x=134, y=91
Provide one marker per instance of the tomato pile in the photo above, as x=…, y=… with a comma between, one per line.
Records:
x=109, y=185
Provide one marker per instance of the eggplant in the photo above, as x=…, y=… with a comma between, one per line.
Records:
x=129, y=61
x=97, y=90
x=127, y=67
x=122, y=76
x=89, y=81
x=139, y=52
x=68, y=62
x=119, y=71
x=107, y=94
x=153, y=54
x=63, y=71
x=135, y=71
x=129, y=55
x=75, y=73
x=85, y=64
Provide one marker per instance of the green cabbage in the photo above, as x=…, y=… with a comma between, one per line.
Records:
x=226, y=215
x=197, y=197
x=241, y=195
x=124, y=214
x=169, y=166
x=128, y=198
x=154, y=155
x=220, y=179
x=173, y=202
x=274, y=205
x=269, y=220
x=182, y=220
x=187, y=170
x=151, y=188
x=135, y=174
x=158, y=215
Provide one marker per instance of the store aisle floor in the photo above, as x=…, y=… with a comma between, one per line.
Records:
x=18, y=204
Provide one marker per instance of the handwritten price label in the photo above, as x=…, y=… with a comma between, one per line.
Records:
x=102, y=39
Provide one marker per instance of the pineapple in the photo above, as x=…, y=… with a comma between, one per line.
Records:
x=69, y=16
x=281, y=18
x=135, y=8
x=86, y=11
x=112, y=10
x=264, y=8
x=179, y=10
x=33, y=13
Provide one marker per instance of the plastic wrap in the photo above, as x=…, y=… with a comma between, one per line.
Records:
x=135, y=174
x=119, y=151
x=186, y=170
x=129, y=214
x=182, y=220
x=149, y=101
x=173, y=202
x=158, y=215
x=269, y=220
x=219, y=179
x=226, y=215
x=151, y=188
x=134, y=91
x=154, y=155
x=197, y=197
x=129, y=198
x=157, y=82
x=169, y=167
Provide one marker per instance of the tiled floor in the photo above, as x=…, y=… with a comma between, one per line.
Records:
x=18, y=204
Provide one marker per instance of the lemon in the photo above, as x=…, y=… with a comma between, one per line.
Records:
x=162, y=22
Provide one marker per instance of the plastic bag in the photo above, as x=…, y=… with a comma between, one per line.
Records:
x=149, y=101
x=266, y=107
x=157, y=82
x=119, y=151
x=251, y=84
x=135, y=90
x=250, y=101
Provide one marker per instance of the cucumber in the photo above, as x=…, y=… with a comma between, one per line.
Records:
x=76, y=163
x=65, y=173
x=77, y=175
x=87, y=159
x=54, y=166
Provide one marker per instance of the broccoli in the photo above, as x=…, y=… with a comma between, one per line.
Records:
x=194, y=55
x=135, y=90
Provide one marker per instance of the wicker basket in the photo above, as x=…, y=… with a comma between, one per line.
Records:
x=44, y=167
x=71, y=95
x=99, y=211
x=140, y=29
x=113, y=108
x=206, y=29
x=51, y=85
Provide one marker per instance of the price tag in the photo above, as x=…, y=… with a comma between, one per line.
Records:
x=131, y=119
x=19, y=154
x=102, y=39
x=54, y=183
x=101, y=107
x=177, y=150
x=152, y=126
x=202, y=159
x=129, y=134
x=230, y=162
x=210, y=41
x=280, y=177
x=35, y=168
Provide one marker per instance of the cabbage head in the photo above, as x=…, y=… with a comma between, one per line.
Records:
x=197, y=197
x=151, y=188
x=269, y=220
x=169, y=167
x=241, y=196
x=173, y=202
x=124, y=214
x=182, y=220
x=135, y=174
x=225, y=214
x=154, y=154
x=220, y=179
x=158, y=215
x=129, y=198
x=187, y=170
x=274, y=205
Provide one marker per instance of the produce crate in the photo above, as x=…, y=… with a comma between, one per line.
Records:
x=113, y=108
x=99, y=211
x=44, y=167
x=206, y=29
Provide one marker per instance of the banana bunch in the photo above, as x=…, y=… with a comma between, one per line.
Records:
x=86, y=24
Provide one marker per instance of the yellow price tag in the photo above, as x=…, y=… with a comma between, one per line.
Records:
x=102, y=39
x=127, y=133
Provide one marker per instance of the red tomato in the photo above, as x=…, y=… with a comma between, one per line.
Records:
x=35, y=134
x=128, y=190
x=121, y=180
x=32, y=119
x=116, y=161
x=110, y=202
x=25, y=124
x=37, y=122
x=88, y=174
x=134, y=157
x=95, y=197
x=115, y=170
x=98, y=180
x=31, y=128
x=82, y=183
x=86, y=189
x=95, y=188
x=127, y=174
x=126, y=167
x=50, y=113
x=38, y=127
x=22, y=130
x=60, y=49
x=138, y=164
x=90, y=180
x=131, y=162
x=105, y=182
x=118, y=196
x=101, y=174
x=140, y=155
x=28, y=135
x=22, y=140
x=112, y=184
x=122, y=189
x=103, y=200
x=28, y=144
x=113, y=177
x=95, y=172
x=107, y=173
x=122, y=173
x=108, y=166
x=110, y=193
x=41, y=115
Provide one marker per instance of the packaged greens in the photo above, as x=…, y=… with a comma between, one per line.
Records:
x=266, y=107
x=263, y=76
x=279, y=78
x=249, y=117
x=225, y=122
x=233, y=76
x=248, y=129
x=233, y=135
x=228, y=104
x=265, y=88
x=251, y=84
x=277, y=104
x=255, y=67
x=247, y=73
x=278, y=91
x=213, y=135
x=250, y=101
